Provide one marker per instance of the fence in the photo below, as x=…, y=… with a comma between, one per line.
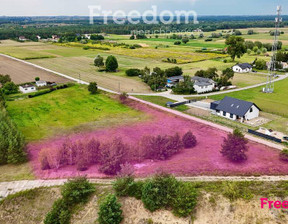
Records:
x=265, y=136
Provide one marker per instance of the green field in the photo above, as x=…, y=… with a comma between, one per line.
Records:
x=276, y=102
x=69, y=110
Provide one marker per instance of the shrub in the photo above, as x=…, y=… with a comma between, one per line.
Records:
x=43, y=159
x=284, y=155
x=185, y=200
x=235, y=146
x=161, y=147
x=113, y=154
x=159, y=192
x=122, y=186
x=260, y=64
x=177, y=42
x=93, y=151
x=82, y=164
x=37, y=79
x=4, y=79
x=123, y=97
x=110, y=211
x=77, y=191
x=189, y=140
x=93, y=88
x=10, y=88
x=133, y=72
x=60, y=213
x=111, y=63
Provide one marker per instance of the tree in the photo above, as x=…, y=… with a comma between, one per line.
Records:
x=159, y=192
x=255, y=49
x=110, y=211
x=96, y=37
x=260, y=64
x=250, y=32
x=98, y=61
x=113, y=154
x=37, y=79
x=133, y=72
x=4, y=79
x=93, y=87
x=77, y=191
x=111, y=63
x=185, y=40
x=228, y=72
x=236, y=47
x=185, y=87
x=235, y=146
x=59, y=214
x=175, y=71
x=189, y=140
x=10, y=88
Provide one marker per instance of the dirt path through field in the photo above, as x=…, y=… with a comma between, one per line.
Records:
x=8, y=188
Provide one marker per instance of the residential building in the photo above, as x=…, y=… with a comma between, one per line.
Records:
x=235, y=109
x=242, y=68
x=203, y=85
x=41, y=83
x=27, y=88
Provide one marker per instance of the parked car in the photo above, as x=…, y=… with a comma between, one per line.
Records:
x=285, y=138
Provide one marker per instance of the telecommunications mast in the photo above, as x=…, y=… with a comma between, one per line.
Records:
x=272, y=65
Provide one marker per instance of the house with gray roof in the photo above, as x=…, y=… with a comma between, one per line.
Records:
x=242, y=68
x=203, y=85
x=235, y=109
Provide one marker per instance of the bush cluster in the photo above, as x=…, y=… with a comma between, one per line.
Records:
x=45, y=91
x=161, y=191
x=73, y=192
x=111, y=155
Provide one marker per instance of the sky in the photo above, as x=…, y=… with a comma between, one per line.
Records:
x=80, y=7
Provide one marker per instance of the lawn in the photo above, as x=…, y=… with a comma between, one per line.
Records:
x=16, y=172
x=276, y=102
x=69, y=110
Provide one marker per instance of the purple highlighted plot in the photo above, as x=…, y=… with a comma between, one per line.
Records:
x=149, y=146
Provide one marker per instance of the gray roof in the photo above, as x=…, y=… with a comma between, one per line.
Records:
x=27, y=86
x=244, y=65
x=235, y=106
x=175, y=78
x=200, y=81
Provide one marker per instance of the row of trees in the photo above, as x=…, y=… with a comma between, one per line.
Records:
x=8, y=87
x=12, y=142
x=110, y=155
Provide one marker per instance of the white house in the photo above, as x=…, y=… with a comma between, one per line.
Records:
x=27, y=88
x=22, y=38
x=242, y=68
x=41, y=83
x=235, y=109
x=203, y=85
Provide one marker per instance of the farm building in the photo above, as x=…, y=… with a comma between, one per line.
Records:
x=203, y=85
x=27, y=88
x=41, y=83
x=235, y=109
x=172, y=81
x=242, y=68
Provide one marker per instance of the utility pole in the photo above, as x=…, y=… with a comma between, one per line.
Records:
x=272, y=65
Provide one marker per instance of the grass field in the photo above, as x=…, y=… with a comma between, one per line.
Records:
x=276, y=102
x=68, y=110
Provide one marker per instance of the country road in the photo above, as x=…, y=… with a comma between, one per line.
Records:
x=9, y=188
x=166, y=94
